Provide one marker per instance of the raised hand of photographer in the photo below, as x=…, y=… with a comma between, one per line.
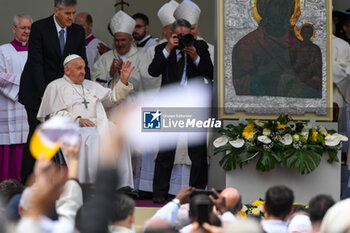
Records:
x=192, y=52
x=219, y=201
x=172, y=43
x=125, y=72
x=184, y=194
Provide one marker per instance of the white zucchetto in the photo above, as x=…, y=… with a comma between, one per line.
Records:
x=69, y=58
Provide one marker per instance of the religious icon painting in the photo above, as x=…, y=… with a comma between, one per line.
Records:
x=274, y=58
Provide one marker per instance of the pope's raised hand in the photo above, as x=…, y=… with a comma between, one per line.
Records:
x=125, y=72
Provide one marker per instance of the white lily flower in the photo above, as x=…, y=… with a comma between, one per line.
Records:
x=332, y=140
x=342, y=138
x=296, y=137
x=259, y=123
x=305, y=132
x=322, y=130
x=221, y=141
x=264, y=139
x=287, y=139
x=291, y=125
x=266, y=132
x=250, y=137
x=237, y=143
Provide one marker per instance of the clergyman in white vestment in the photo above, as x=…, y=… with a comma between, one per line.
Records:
x=13, y=118
x=106, y=69
x=85, y=102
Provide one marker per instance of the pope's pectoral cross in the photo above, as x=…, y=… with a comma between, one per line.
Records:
x=85, y=103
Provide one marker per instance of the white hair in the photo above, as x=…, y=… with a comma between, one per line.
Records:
x=16, y=17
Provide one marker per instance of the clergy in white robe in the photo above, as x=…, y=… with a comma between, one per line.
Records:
x=86, y=102
x=13, y=118
x=92, y=44
x=106, y=69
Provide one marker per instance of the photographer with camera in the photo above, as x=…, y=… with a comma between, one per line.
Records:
x=179, y=60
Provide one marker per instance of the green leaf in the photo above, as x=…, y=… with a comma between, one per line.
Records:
x=222, y=148
x=304, y=161
x=245, y=156
x=228, y=162
x=332, y=155
x=265, y=163
x=277, y=156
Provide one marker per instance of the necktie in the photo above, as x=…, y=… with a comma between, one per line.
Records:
x=181, y=64
x=61, y=38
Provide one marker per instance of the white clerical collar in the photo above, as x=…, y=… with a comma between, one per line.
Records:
x=21, y=42
x=139, y=42
x=58, y=27
x=65, y=77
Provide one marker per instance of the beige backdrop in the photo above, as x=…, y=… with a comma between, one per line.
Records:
x=101, y=12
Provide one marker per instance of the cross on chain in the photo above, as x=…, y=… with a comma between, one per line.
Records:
x=121, y=3
x=85, y=103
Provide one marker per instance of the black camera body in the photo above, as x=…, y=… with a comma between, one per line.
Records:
x=185, y=40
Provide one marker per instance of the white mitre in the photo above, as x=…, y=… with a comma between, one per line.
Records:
x=189, y=11
x=69, y=58
x=166, y=13
x=122, y=22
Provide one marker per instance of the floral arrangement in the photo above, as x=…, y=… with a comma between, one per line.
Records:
x=257, y=208
x=295, y=144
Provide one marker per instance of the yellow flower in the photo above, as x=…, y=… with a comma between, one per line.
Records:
x=243, y=214
x=328, y=134
x=247, y=134
x=257, y=203
x=281, y=126
x=248, y=131
x=314, y=135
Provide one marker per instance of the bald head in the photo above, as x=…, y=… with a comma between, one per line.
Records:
x=232, y=199
x=84, y=19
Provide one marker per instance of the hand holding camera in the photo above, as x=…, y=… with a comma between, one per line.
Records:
x=219, y=201
x=172, y=43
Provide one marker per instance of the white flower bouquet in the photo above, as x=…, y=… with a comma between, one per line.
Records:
x=295, y=144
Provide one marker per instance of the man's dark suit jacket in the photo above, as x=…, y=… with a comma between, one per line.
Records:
x=168, y=68
x=45, y=62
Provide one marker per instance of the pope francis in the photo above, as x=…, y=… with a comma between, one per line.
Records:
x=86, y=102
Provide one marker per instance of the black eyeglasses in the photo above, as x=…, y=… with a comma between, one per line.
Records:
x=139, y=26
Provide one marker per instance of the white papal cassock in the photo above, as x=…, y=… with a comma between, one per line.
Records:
x=64, y=98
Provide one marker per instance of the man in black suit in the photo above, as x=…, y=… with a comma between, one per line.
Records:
x=178, y=66
x=50, y=41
